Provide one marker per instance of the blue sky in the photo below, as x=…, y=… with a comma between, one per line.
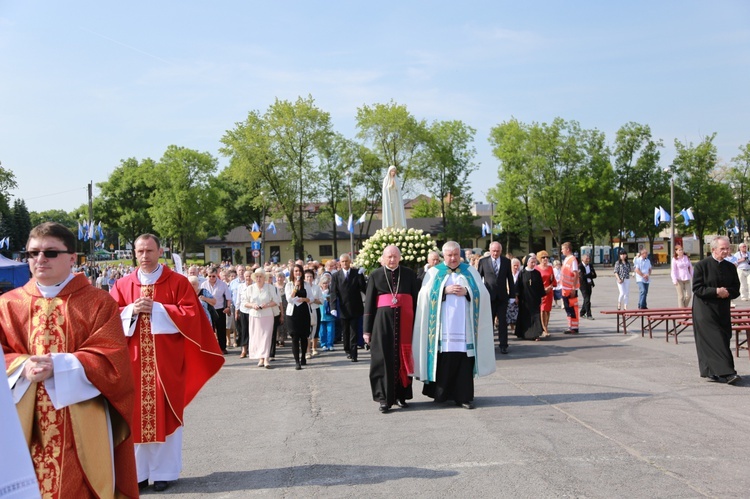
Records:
x=86, y=84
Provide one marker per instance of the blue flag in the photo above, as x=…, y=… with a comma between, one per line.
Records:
x=656, y=216
x=255, y=227
x=663, y=215
x=272, y=227
x=350, y=225
x=339, y=220
x=80, y=231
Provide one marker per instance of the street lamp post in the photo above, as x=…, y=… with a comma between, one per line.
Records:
x=670, y=170
x=349, y=195
x=263, y=231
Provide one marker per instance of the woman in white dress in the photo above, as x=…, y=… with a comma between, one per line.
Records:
x=259, y=302
x=393, y=203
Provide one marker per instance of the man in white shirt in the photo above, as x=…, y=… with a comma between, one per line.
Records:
x=220, y=291
x=642, y=266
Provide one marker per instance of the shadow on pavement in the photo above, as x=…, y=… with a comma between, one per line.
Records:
x=320, y=475
x=546, y=348
x=552, y=399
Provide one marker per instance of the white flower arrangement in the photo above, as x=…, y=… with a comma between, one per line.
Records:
x=414, y=244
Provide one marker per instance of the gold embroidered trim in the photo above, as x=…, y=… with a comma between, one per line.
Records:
x=148, y=373
x=47, y=336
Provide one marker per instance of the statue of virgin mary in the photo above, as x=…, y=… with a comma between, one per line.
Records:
x=393, y=204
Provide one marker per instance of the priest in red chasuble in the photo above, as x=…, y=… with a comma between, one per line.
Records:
x=173, y=353
x=68, y=369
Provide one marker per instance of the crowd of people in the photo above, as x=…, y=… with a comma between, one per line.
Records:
x=101, y=396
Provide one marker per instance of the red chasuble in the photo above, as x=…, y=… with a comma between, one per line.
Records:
x=70, y=447
x=169, y=369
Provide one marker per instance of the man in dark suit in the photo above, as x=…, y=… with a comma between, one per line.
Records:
x=347, y=285
x=498, y=277
x=588, y=274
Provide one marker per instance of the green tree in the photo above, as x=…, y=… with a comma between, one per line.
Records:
x=297, y=129
x=367, y=184
x=236, y=198
x=20, y=225
x=336, y=158
x=183, y=202
x=513, y=144
x=696, y=172
x=447, y=161
x=738, y=177
x=560, y=164
x=595, y=213
x=636, y=164
x=277, y=151
x=60, y=216
x=396, y=137
x=7, y=182
x=425, y=207
x=124, y=199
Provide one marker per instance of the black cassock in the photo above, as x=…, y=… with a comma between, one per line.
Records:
x=530, y=288
x=712, y=316
x=388, y=326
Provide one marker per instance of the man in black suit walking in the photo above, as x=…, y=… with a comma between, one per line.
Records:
x=588, y=274
x=347, y=285
x=498, y=277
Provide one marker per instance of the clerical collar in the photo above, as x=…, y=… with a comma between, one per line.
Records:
x=150, y=278
x=54, y=289
x=450, y=270
x=712, y=256
x=392, y=270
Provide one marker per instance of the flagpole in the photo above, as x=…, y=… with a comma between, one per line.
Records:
x=492, y=215
x=91, y=215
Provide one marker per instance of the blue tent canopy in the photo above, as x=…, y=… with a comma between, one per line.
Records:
x=13, y=274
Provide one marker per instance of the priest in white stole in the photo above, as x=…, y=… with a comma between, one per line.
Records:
x=453, y=339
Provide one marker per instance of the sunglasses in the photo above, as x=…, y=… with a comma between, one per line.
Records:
x=46, y=253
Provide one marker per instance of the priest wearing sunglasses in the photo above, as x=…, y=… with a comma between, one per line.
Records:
x=68, y=368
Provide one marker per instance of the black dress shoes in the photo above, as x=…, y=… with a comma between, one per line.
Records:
x=504, y=350
x=732, y=379
x=161, y=486
x=383, y=407
x=303, y=361
x=143, y=485
x=402, y=403
x=297, y=367
x=354, y=359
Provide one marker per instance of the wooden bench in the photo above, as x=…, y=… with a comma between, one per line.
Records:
x=627, y=317
x=676, y=318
